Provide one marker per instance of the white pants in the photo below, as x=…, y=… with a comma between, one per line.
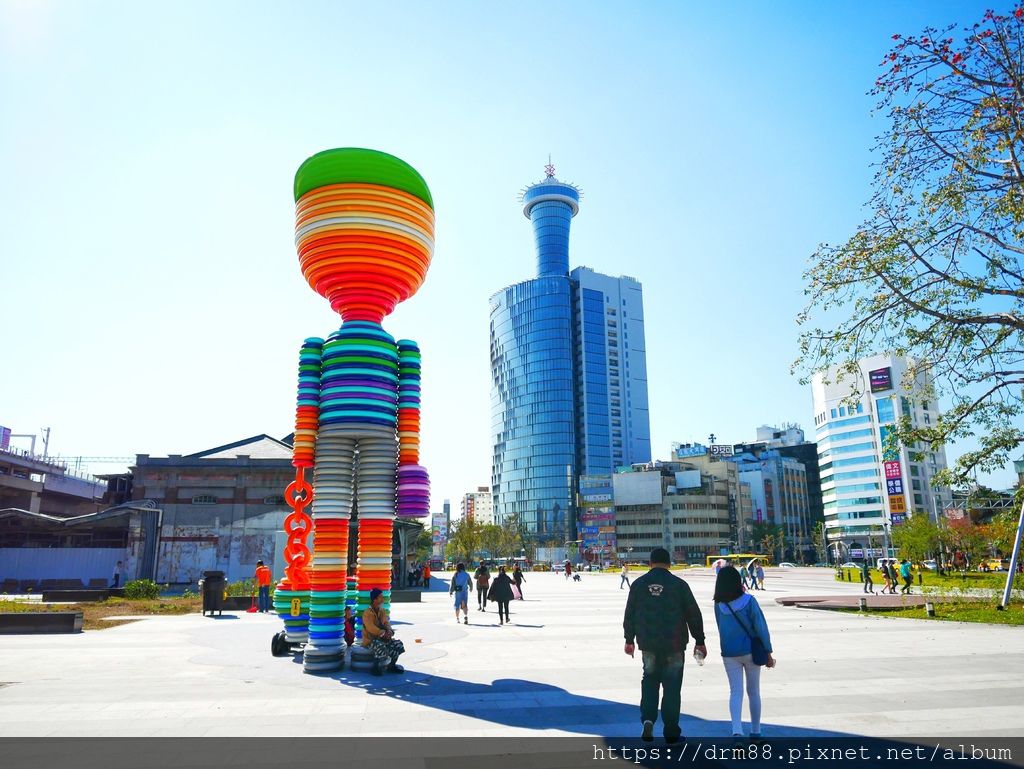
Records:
x=734, y=668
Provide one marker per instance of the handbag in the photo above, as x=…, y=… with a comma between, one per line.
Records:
x=758, y=654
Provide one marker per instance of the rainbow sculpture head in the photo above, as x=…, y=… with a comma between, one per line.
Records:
x=364, y=230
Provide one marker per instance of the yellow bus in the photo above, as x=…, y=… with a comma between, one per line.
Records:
x=739, y=559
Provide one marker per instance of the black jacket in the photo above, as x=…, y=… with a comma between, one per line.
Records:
x=501, y=589
x=659, y=610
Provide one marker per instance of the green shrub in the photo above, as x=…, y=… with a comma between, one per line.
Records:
x=189, y=593
x=141, y=590
x=245, y=588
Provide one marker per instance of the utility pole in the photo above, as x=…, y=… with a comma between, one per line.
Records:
x=1014, y=557
x=46, y=442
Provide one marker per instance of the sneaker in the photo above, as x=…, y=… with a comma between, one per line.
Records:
x=395, y=668
x=465, y=620
x=648, y=733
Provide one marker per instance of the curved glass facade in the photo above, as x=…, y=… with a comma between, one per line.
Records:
x=532, y=406
x=551, y=205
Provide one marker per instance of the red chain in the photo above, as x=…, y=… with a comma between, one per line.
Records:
x=298, y=495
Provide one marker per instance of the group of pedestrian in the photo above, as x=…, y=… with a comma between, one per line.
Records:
x=751, y=576
x=890, y=574
x=661, y=615
x=419, y=576
x=503, y=590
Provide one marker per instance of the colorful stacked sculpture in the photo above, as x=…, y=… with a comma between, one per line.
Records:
x=365, y=236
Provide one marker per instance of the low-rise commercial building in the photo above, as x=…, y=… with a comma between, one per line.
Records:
x=692, y=508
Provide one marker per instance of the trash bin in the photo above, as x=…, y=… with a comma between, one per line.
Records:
x=213, y=592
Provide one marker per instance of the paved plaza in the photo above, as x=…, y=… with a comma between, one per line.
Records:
x=558, y=669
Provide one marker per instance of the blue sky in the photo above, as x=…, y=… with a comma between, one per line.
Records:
x=152, y=299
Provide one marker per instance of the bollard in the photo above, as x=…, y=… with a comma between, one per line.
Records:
x=863, y=604
x=920, y=578
x=929, y=608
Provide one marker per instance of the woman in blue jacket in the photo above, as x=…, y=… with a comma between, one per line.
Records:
x=738, y=615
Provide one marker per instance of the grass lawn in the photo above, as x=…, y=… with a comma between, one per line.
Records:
x=972, y=611
x=93, y=613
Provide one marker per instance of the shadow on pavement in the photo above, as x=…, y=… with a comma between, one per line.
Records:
x=534, y=705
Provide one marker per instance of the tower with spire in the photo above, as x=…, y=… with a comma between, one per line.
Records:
x=568, y=374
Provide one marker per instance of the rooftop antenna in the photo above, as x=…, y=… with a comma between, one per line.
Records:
x=549, y=170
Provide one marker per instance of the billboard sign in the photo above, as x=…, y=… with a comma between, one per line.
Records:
x=856, y=553
x=688, y=479
x=898, y=518
x=880, y=379
x=5, y=438
x=439, y=528
x=588, y=498
x=893, y=470
x=696, y=450
x=721, y=450
x=588, y=531
x=894, y=486
x=897, y=504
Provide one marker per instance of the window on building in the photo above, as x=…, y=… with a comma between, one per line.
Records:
x=273, y=499
x=842, y=411
x=885, y=410
x=204, y=499
x=915, y=470
x=918, y=501
x=916, y=485
x=833, y=413
x=860, y=407
x=905, y=406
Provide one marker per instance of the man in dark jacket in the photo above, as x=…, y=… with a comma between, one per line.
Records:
x=659, y=610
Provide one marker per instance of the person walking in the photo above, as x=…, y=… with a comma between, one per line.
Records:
x=906, y=574
x=624, y=577
x=740, y=620
x=425, y=576
x=752, y=573
x=483, y=581
x=568, y=570
x=744, y=576
x=883, y=567
x=894, y=579
x=501, y=594
x=865, y=570
x=760, y=575
x=518, y=579
x=380, y=638
x=262, y=578
x=461, y=587
x=659, y=611
x=118, y=568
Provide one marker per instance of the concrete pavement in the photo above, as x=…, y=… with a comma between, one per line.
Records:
x=558, y=669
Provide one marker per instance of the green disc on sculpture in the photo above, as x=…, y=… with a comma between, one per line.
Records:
x=354, y=165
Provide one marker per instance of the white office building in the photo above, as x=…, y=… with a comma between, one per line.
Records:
x=865, y=488
x=479, y=506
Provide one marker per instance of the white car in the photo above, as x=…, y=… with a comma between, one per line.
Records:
x=850, y=565
x=930, y=564
x=787, y=565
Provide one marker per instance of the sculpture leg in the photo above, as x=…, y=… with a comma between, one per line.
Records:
x=375, y=494
x=332, y=508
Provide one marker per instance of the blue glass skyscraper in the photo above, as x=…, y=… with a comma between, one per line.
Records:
x=569, y=379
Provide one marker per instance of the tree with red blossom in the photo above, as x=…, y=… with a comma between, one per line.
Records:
x=934, y=273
